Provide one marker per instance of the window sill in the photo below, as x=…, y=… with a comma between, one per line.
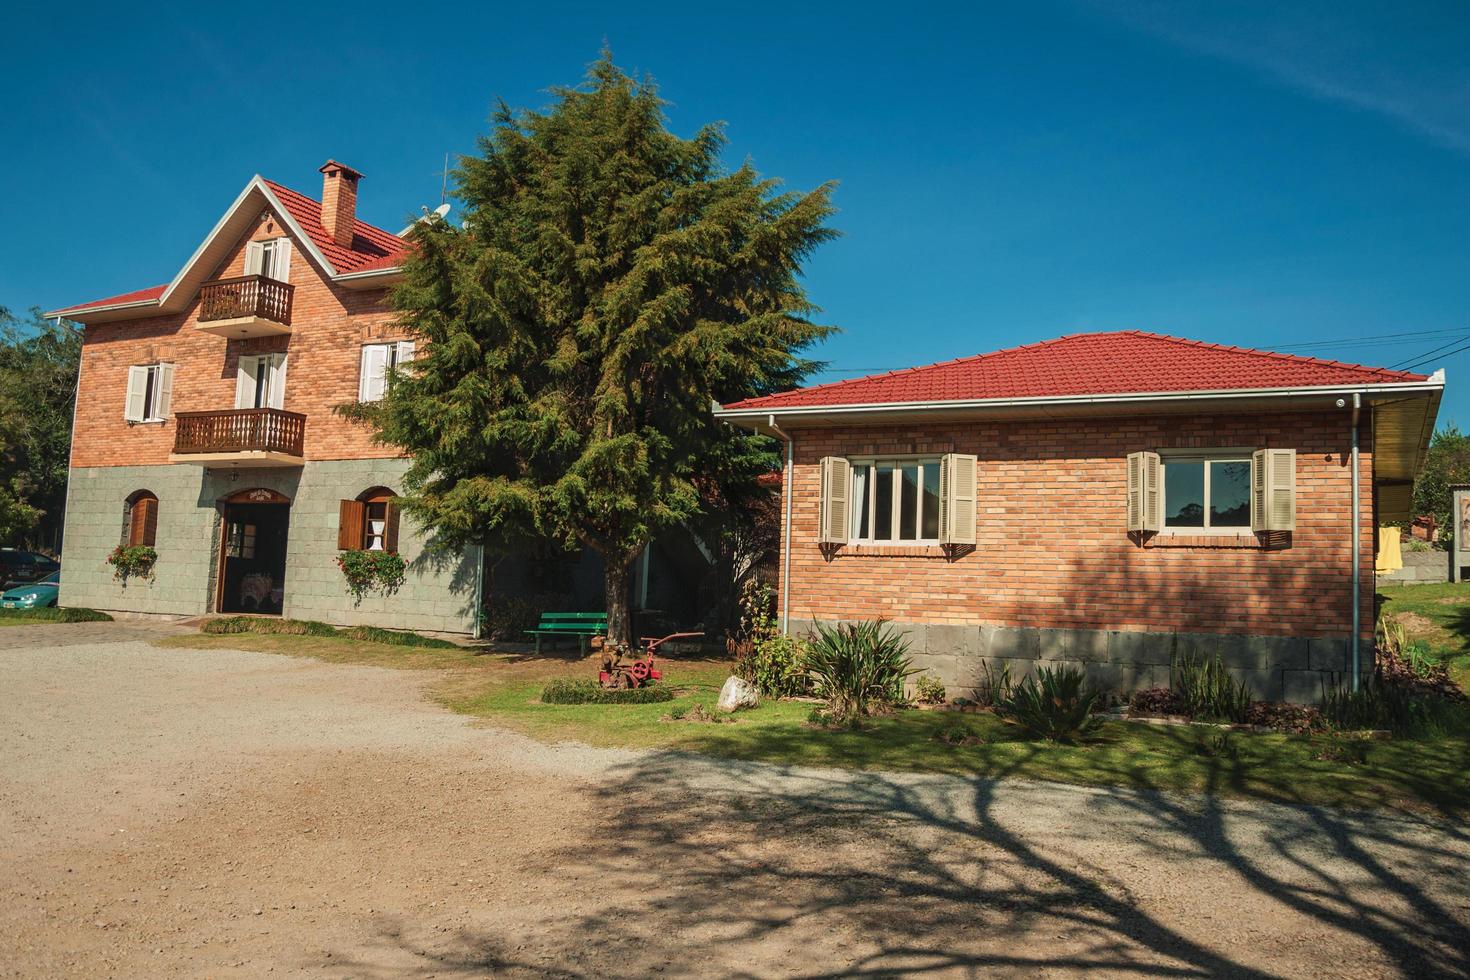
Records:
x=147, y=422
x=894, y=550
x=1214, y=539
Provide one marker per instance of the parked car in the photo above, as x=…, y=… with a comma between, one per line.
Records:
x=18, y=566
x=34, y=595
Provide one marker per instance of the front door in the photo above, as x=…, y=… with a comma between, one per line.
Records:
x=253, y=557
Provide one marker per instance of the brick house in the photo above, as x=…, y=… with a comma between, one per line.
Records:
x=1105, y=500
x=204, y=426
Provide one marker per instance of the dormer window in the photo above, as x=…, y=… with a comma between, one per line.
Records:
x=270, y=258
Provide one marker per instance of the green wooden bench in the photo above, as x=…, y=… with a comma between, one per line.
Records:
x=582, y=625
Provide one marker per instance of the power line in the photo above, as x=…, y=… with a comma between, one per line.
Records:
x=1433, y=356
x=1420, y=358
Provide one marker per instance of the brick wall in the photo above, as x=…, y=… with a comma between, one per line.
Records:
x=1053, y=547
x=329, y=325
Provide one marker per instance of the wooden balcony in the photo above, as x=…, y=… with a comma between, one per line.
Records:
x=246, y=306
x=239, y=437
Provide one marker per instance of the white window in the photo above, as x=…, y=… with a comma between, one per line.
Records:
x=1207, y=491
x=271, y=258
x=895, y=500
x=261, y=381
x=379, y=361
x=150, y=393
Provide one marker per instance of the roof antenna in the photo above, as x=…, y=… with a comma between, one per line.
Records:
x=444, y=181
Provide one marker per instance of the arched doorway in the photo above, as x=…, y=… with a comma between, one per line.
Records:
x=252, y=569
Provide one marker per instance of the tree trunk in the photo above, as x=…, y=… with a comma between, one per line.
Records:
x=615, y=595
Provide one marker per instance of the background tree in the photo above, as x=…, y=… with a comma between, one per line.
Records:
x=38, y=377
x=1446, y=463
x=611, y=282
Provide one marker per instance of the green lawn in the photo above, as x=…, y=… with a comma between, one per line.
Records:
x=1437, y=616
x=30, y=617
x=1431, y=776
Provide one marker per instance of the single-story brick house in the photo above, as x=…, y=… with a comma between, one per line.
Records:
x=1102, y=499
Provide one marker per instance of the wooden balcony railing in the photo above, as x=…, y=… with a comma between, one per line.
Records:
x=242, y=430
x=227, y=299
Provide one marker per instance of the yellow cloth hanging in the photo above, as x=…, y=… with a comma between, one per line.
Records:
x=1390, y=551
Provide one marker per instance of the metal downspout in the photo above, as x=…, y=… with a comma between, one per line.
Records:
x=1357, y=541
x=790, y=476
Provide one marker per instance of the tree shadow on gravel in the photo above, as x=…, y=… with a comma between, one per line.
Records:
x=747, y=869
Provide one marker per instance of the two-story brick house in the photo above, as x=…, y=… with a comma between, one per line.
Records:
x=205, y=426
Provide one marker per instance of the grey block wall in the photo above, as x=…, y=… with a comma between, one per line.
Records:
x=1276, y=668
x=1419, y=567
x=438, y=594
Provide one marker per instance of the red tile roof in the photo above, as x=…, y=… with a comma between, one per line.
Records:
x=152, y=292
x=1121, y=362
x=371, y=246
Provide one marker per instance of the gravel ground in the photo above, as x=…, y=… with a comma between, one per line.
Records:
x=216, y=813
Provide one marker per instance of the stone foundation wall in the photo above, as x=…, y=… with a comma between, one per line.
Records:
x=1277, y=668
x=438, y=594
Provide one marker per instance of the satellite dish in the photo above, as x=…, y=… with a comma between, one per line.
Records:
x=438, y=212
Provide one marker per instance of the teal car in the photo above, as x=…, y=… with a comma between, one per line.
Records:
x=32, y=595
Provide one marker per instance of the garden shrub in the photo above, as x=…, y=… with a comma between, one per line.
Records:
x=1056, y=705
x=1383, y=705
x=588, y=692
x=260, y=624
x=856, y=666
x=764, y=656
x=929, y=690
x=1207, y=691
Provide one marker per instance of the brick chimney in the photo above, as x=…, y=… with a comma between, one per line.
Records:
x=339, y=201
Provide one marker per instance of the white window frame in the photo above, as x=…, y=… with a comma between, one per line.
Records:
x=1205, y=456
x=897, y=462
x=158, y=382
x=395, y=354
x=270, y=257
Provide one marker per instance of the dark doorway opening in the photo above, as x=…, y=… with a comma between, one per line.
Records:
x=253, y=554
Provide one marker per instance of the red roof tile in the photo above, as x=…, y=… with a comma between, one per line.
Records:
x=371, y=246
x=152, y=292
x=1122, y=362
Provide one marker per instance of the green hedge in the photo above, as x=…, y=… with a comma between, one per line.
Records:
x=259, y=624
x=52, y=614
x=587, y=692
x=310, y=627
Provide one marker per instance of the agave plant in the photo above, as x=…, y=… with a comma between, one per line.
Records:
x=1055, y=705
x=1207, y=691
x=857, y=665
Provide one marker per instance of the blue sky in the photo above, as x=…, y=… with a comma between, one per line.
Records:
x=1296, y=178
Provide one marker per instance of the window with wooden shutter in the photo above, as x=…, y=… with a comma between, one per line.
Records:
x=957, y=490
x=390, y=525
x=164, y=400
x=142, y=524
x=1273, y=490
x=836, y=484
x=351, y=520
x=1145, y=499
x=136, y=404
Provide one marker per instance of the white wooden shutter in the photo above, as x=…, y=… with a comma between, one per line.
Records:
x=836, y=511
x=1145, y=501
x=405, y=351
x=276, y=390
x=1273, y=490
x=374, y=367
x=281, y=270
x=957, y=490
x=163, y=401
x=135, y=405
x=254, y=255
x=245, y=381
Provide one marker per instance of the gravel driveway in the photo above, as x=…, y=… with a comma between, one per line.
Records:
x=216, y=813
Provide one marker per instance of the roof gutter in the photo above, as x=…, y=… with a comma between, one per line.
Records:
x=1434, y=384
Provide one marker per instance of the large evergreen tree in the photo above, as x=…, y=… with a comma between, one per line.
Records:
x=611, y=281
